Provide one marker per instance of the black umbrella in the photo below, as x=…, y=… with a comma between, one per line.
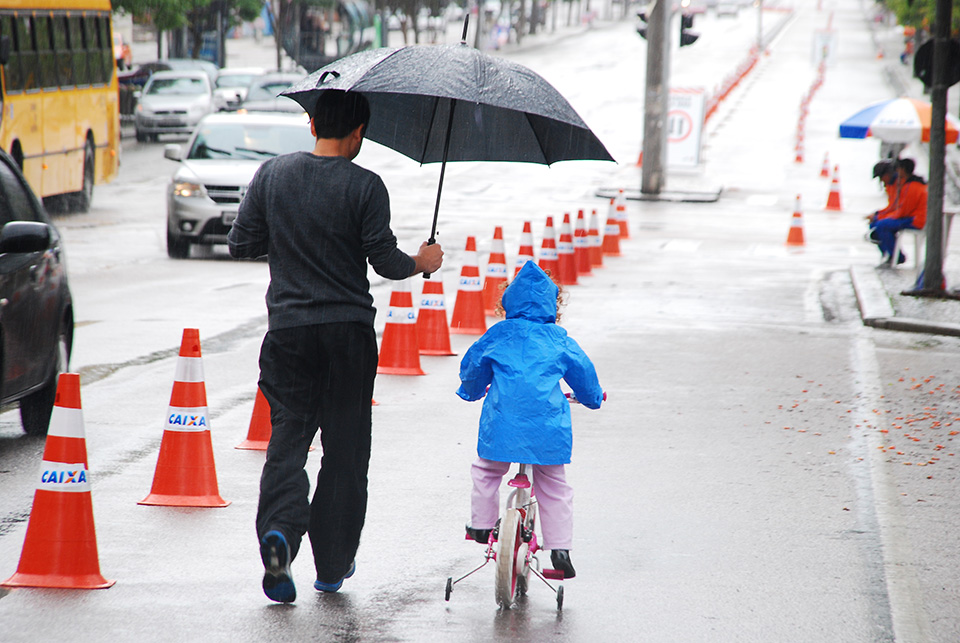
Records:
x=453, y=103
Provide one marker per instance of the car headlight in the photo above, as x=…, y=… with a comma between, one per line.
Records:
x=186, y=189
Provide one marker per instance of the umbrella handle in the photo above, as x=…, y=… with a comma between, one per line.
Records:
x=430, y=242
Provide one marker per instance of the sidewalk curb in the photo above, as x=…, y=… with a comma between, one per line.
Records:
x=876, y=310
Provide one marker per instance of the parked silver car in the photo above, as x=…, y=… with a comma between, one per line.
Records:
x=221, y=158
x=173, y=102
x=263, y=95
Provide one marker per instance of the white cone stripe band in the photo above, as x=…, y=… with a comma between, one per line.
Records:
x=548, y=253
x=66, y=423
x=565, y=247
x=470, y=284
x=497, y=270
x=580, y=241
x=187, y=420
x=612, y=229
x=526, y=239
x=63, y=476
x=189, y=369
x=470, y=258
x=595, y=241
x=401, y=315
x=432, y=302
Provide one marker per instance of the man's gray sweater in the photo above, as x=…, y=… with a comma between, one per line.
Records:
x=318, y=220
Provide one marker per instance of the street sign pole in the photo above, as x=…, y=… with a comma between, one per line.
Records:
x=656, y=99
x=933, y=265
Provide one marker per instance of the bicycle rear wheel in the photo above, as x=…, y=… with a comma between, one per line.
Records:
x=509, y=539
x=523, y=564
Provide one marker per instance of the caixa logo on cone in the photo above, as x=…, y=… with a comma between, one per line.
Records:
x=187, y=420
x=60, y=476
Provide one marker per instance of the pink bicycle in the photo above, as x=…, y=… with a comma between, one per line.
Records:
x=513, y=545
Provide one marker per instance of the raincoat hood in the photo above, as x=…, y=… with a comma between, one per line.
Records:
x=532, y=296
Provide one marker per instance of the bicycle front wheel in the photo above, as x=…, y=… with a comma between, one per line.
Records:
x=508, y=541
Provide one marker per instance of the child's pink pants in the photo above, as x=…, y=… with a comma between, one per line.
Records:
x=554, y=497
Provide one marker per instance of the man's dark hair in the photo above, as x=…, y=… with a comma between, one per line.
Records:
x=338, y=113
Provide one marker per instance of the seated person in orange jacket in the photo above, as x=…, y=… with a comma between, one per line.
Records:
x=908, y=211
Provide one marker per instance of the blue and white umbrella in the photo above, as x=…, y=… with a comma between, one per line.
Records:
x=898, y=120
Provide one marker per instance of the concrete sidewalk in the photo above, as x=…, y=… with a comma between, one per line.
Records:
x=879, y=291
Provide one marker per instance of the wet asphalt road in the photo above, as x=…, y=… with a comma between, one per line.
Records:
x=732, y=488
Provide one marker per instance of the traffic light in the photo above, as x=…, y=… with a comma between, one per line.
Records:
x=642, y=27
x=687, y=37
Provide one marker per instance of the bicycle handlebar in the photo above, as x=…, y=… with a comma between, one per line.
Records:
x=573, y=398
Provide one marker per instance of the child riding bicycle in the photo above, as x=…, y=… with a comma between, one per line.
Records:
x=525, y=417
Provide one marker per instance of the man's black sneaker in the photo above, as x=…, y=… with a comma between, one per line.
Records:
x=482, y=536
x=277, y=579
x=561, y=560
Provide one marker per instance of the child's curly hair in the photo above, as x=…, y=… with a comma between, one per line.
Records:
x=561, y=297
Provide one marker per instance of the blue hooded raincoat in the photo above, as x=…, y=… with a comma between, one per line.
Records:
x=526, y=417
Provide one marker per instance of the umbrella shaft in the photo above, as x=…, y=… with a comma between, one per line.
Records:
x=443, y=169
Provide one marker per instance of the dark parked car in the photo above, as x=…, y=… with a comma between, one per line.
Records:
x=36, y=310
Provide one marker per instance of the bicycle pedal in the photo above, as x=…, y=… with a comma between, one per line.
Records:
x=553, y=574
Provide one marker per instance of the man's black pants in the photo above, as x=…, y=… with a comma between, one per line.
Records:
x=318, y=376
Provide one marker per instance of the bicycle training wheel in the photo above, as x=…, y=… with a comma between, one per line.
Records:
x=506, y=579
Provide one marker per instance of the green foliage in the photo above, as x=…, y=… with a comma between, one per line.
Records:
x=173, y=14
x=921, y=13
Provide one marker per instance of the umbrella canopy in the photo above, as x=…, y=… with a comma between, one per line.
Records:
x=899, y=120
x=501, y=111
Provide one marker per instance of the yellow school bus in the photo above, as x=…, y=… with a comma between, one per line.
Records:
x=59, y=116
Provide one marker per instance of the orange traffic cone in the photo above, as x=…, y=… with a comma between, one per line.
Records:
x=261, y=428
x=825, y=168
x=595, y=242
x=549, y=262
x=581, y=246
x=468, y=316
x=433, y=333
x=565, y=257
x=795, y=236
x=60, y=547
x=621, y=214
x=833, y=200
x=611, y=233
x=496, y=273
x=399, y=349
x=525, y=253
x=186, y=475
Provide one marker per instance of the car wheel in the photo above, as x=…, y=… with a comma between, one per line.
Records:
x=177, y=248
x=141, y=137
x=83, y=198
x=35, y=409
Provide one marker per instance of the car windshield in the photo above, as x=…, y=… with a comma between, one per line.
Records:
x=250, y=141
x=176, y=86
x=267, y=91
x=235, y=80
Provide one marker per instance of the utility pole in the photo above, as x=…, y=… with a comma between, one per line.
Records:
x=933, y=265
x=656, y=98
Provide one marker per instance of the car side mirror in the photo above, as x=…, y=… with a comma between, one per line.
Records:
x=24, y=237
x=4, y=50
x=172, y=151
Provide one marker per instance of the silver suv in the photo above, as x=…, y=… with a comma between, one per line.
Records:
x=221, y=158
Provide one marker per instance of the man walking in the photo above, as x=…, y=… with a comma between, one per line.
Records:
x=319, y=218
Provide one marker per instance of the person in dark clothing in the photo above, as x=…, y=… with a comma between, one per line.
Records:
x=319, y=219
